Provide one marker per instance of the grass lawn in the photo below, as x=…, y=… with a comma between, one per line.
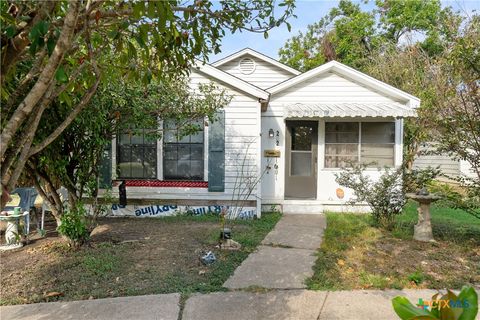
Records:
x=129, y=257
x=354, y=255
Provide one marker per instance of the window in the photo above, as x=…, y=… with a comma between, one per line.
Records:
x=301, y=152
x=183, y=156
x=137, y=155
x=364, y=142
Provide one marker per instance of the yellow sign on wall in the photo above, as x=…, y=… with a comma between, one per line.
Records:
x=271, y=153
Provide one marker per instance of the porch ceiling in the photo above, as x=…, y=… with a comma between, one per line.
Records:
x=323, y=110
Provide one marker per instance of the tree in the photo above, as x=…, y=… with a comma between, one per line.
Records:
x=359, y=37
x=74, y=159
x=63, y=51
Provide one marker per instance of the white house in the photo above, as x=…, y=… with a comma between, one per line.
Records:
x=289, y=131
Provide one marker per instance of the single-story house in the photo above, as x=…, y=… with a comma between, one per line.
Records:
x=278, y=144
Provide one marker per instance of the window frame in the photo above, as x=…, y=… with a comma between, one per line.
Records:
x=204, y=160
x=118, y=145
x=359, y=144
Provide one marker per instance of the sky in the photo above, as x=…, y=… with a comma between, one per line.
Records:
x=307, y=13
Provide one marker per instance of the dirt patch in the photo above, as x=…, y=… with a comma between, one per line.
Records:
x=355, y=255
x=125, y=257
x=388, y=262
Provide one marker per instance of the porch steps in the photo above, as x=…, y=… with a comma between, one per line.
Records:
x=302, y=207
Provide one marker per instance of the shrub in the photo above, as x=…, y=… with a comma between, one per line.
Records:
x=416, y=179
x=384, y=196
x=73, y=225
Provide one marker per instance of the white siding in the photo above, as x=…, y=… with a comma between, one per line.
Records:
x=326, y=88
x=447, y=165
x=265, y=75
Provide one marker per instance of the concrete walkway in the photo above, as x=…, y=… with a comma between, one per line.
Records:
x=238, y=305
x=286, y=256
x=159, y=307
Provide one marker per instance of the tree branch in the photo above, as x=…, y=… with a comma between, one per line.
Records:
x=79, y=107
x=44, y=80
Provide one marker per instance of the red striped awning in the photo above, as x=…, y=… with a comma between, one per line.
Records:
x=165, y=184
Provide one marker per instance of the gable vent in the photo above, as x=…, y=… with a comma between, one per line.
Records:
x=246, y=66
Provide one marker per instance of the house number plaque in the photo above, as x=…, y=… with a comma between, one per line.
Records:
x=271, y=153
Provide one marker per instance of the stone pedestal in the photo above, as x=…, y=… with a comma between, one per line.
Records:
x=423, y=229
x=12, y=237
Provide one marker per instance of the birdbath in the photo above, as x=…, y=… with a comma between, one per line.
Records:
x=11, y=234
x=423, y=229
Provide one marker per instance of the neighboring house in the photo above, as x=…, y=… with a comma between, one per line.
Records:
x=292, y=131
x=450, y=168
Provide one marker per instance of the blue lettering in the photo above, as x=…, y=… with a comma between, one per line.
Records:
x=455, y=304
x=159, y=210
x=138, y=212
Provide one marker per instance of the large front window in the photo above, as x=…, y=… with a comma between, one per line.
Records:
x=371, y=143
x=183, y=155
x=137, y=155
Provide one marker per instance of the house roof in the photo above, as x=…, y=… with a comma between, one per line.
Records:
x=258, y=55
x=325, y=110
x=233, y=81
x=350, y=73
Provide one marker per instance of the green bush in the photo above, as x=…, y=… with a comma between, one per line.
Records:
x=385, y=196
x=73, y=225
x=416, y=179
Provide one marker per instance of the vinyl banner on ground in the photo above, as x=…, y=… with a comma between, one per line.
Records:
x=168, y=210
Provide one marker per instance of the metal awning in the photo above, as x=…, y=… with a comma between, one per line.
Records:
x=323, y=110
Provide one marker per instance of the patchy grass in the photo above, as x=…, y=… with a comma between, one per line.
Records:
x=355, y=255
x=129, y=257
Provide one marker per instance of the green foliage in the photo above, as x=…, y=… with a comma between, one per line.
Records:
x=416, y=179
x=359, y=37
x=384, y=196
x=74, y=226
x=101, y=265
x=418, y=277
x=467, y=308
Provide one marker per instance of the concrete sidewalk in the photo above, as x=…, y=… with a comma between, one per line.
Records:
x=286, y=256
x=238, y=305
x=158, y=307
x=299, y=305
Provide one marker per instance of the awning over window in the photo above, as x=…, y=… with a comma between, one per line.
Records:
x=322, y=110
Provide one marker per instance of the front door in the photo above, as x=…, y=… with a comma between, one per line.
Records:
x=301, y=160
